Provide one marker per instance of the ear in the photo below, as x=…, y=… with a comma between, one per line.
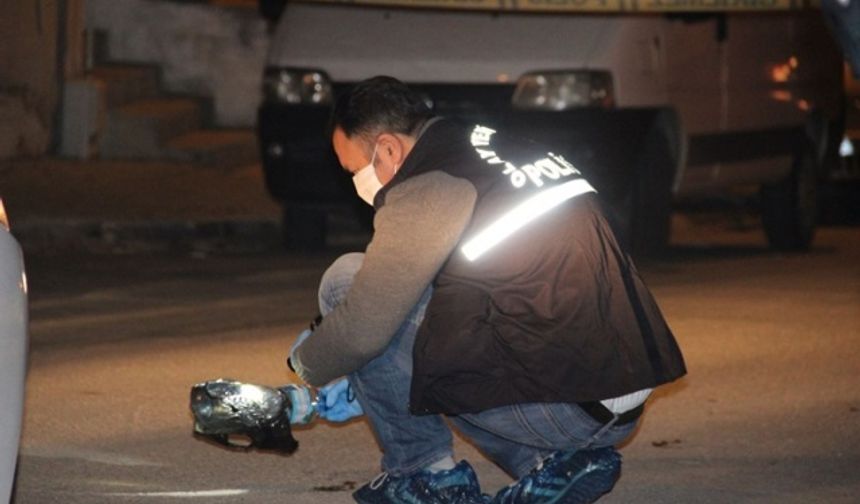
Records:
x=391, y=148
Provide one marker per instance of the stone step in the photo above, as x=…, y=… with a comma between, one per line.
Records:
x=142, y=124
x=220, y=148
x=141, y=129
x=126, y=83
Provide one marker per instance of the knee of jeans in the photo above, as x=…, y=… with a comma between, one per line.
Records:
x=337, y=279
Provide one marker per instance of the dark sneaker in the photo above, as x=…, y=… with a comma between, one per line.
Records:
x=454, y=486
x=566, y=477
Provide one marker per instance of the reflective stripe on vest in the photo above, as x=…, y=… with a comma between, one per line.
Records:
x=523, y=214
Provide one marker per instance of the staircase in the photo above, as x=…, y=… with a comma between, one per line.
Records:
x=143, y=123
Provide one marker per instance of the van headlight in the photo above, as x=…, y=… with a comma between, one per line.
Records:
x=296, y=86
x=561, y=90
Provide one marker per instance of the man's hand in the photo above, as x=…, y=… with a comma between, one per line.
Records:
x=338, y=403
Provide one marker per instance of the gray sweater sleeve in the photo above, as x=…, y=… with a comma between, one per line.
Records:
x=414, y=233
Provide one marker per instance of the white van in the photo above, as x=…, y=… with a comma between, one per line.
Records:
x=655, y=108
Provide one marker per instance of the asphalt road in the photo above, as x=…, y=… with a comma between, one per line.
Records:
x=770, y=411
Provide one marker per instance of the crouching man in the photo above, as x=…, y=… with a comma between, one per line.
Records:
x=493, y=297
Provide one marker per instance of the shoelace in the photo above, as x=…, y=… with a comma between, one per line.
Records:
x=378, y=480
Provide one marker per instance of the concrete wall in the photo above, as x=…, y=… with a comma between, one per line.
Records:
x=202, y=49
x=28, y=75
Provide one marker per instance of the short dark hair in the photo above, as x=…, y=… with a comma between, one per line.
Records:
x=377, y=105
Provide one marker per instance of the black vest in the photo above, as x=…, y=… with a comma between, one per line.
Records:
x=553, y=311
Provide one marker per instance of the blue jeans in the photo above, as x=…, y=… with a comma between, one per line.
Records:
x=844, y=21
x=514, y=437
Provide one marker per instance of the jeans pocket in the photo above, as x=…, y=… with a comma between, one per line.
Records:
x=572, y=423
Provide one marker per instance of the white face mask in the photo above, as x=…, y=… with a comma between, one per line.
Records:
x=366, y=182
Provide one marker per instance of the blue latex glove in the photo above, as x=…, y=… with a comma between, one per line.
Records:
x=337, y=402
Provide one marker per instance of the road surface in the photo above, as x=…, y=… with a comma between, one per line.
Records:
x=770, y=410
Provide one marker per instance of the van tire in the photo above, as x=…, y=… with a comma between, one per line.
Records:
x=790, y=207
x=645, y=212
x=303, y=227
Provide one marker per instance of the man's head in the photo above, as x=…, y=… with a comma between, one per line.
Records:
x=377, y=123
